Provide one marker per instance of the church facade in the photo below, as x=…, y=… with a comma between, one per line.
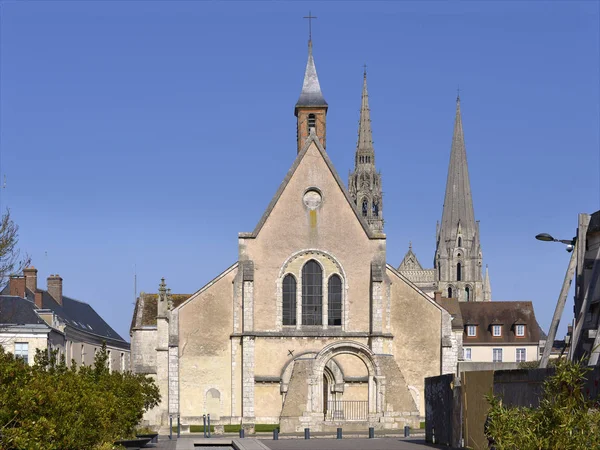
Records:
x=310, y=327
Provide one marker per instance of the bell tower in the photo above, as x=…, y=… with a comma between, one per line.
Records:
x=311, y=107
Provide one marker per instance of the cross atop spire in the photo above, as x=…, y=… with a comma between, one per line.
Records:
x=310, y=17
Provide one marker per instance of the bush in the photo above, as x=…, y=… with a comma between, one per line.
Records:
x=566, y=418
x=265, y=427
x=52, y=407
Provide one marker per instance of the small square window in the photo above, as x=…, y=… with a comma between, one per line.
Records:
x=497, y=330
x=471, y=330
x=466, y=354
x=497, y=355
x=520, y=330
x=521, y=355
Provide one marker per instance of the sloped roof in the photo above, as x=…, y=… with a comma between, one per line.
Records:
x=145, y=311
x=410, y=261
x=452, y=306
x=18, y=311
x=484, y=314
x=74, y=313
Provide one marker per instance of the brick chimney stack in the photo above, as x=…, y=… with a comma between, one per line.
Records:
x=16, y=286
x=55, y=288
x=437, y=296
x=30, y=274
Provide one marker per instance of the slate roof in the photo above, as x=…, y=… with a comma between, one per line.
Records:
x=311, y=94
x=484, y=314
x=18, y=311
x=76, y=314
x=145, y=311
x=594, y=225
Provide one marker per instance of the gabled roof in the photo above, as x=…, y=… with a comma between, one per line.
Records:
x=452, y=306
x=507, y=314
x=410, y=261
x=312, y=139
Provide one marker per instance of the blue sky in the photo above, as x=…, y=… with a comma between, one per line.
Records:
x=148, y=134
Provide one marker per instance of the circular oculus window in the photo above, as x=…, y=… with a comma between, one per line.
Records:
x=312, y=199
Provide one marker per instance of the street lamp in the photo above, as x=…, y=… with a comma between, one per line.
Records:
x=549, y=238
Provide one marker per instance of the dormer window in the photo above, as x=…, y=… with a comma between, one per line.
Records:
x=471, y=330
x=497, y=330
x=312, y=122
x=520, y=330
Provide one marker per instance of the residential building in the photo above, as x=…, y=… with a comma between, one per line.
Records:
x=32, y=318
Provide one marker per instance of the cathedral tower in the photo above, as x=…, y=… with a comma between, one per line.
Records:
x=364, y=184
x=311, y=107
x=458, y=254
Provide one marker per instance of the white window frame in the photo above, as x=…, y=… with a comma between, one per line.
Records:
x=497, y=328
x=524, y=351
x=472, y=328
x=122, y=362
x=22, y=351
x=467, y=353
x=494, y=351
x=522, y=329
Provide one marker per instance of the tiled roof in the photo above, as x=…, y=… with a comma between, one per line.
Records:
x=508, y=314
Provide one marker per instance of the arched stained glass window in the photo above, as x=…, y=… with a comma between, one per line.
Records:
x=375, y=209
x=365, y=207
x=468, y=293
x=458, y=272
x=334, y=297
x=450, y=292
x=459, y=241
x=289, y=300
x=312, y=294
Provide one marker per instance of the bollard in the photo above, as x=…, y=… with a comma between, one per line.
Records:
x=178, y=428
x=204, y=421
x=208, y=423
x=241, y=433
x=339, y=433
x=170, y=427
x=276, y=434
x=371, y=432
x=406, y=431
x=307, y=433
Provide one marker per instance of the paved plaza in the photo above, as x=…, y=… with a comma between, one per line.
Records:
x=390, y=443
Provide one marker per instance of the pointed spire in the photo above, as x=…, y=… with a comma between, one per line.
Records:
x=311, y=94
x=364, y=145
x=458, y=203
x=487, y=287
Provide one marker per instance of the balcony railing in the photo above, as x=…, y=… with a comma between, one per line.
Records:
x=347, y=410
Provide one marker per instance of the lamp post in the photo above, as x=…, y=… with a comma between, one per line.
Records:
x=562, y=298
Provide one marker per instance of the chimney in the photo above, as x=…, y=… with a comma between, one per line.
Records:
x=55, y=288
x=30, y=274
x=16, y=286
x=437, y=296
x=38, y=299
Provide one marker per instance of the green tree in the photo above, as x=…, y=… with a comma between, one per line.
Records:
x=566, y=418
x=52, y=407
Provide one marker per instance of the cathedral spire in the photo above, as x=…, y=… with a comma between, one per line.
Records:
x=458, y=256
x=311, y=107
x=458, y=203
x=364, y=184
x=487, y=287
x=364, y=146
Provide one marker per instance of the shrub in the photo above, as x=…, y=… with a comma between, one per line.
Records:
x=52, y=407
x=566, y=418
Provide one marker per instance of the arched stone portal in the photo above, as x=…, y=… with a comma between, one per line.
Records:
x=376, y=380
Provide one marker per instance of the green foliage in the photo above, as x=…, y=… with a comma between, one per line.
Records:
x=566, y=418
x=265, y=427
x=52, y=407
x=422, y=425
